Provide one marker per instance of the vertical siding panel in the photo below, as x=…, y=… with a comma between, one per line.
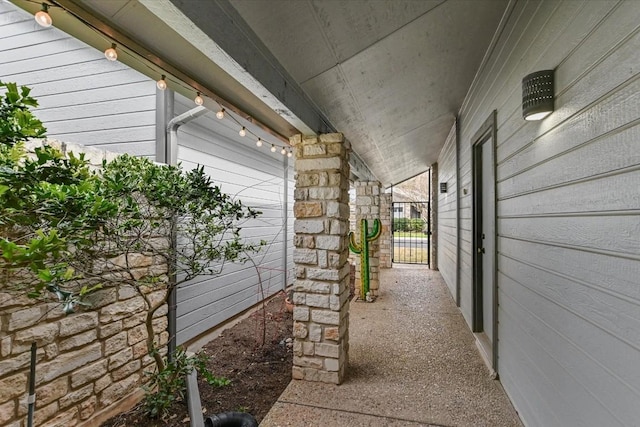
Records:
x=568, y=211
x=448, y=213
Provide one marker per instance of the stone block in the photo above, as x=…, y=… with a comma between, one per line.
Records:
x=317, y=300
x=332, y=243
x=118, y=390
x=305, y=256
x=68, y=362
x=299, y=330
x=328, y=350
x=121, y=309
x=120, y=358
x=307, y=140
x=115, y=343
x=52, y=391
x=139, y=349
x=297, y=347
x=102, y=383
x=315, y=332
x=307, y=180
x=307, y=209
x=308, y=348
x=301, y=313
x=110, y=329
x=295, y=140
x=336, y=149
x=44, y=413
x=76, y=396
x=297, y=373
x=324, y=193
x=331, y=137
x=125, y=370
x=300, y=194
x=332, y=333
x=5, y=346
x=13, y=386
x=323, y=274
x=88, y=373
x=329, y=377
x=326, y=317
x=314, y=150
x=102, y=297
x=78, y=340
x=134, y=320
x=88, y=407
x=311, y=286
x=331, y=365
x=318, y=164
x=22, y=319
x=309, y=226
x=7, y=411
x=308, y=362
x=41, y=334
x=138, y=333
x=323, y=259
x=66, y=419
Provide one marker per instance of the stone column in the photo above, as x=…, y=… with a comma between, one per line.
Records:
x=321, y=288
x=368, y=207
x=385, y=237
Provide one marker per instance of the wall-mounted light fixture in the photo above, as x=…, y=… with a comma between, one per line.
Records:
x=537, y=95
x=443, y=187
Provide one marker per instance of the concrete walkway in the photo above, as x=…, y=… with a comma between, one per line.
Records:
x=412, y=362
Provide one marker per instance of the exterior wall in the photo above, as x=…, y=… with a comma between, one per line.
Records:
x=83, y=97
x=447, y=209
x=567, y=211
x=255, y=176
x=86, y=362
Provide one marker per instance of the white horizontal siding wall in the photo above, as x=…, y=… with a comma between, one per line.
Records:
x=83, y=98
x=256, y=177
x=568, y=190
x=448, y=213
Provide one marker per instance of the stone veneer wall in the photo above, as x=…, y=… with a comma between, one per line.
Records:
x=86, y=362
x=368, y=207
x=321, y=288
x=385, y=237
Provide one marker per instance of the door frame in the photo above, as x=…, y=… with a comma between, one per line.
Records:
x=487, y=131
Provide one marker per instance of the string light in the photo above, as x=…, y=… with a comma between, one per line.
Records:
x=243, y=132
x=42, y=17
x=111, y=53
x=259, y=142
x=273, y=148
x=198, y=99
x=283, y=151
x=290, y=153
x=162, y=83
x=220, y=114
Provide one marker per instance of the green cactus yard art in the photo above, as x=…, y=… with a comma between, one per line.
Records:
x=363, y=251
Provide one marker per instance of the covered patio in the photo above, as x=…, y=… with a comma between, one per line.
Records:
x=424, y=369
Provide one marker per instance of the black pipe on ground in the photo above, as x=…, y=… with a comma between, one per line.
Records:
x=231, y=419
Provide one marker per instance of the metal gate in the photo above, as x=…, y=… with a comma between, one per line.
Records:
x=411, y=227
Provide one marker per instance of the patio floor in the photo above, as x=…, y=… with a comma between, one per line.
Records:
x=412, y=362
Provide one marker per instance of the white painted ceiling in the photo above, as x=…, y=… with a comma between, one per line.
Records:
x=390, y=74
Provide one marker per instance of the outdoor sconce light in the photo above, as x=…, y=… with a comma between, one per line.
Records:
x=443, y=187
x=537, y=95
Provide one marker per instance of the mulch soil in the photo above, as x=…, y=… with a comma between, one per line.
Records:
x=258, y=373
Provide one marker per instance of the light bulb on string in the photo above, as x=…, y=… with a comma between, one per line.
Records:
x=259, y=142
x=220, y=114
x=283, y=151
x=162, y=83
x=42, y=17
x=273, y=148
x=111, y=53
x=243, y=132
x=290, y=153
x=198, y=99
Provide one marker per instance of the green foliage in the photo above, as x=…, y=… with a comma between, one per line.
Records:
x=17, y=123
x=414, y=225
x=168, y=385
